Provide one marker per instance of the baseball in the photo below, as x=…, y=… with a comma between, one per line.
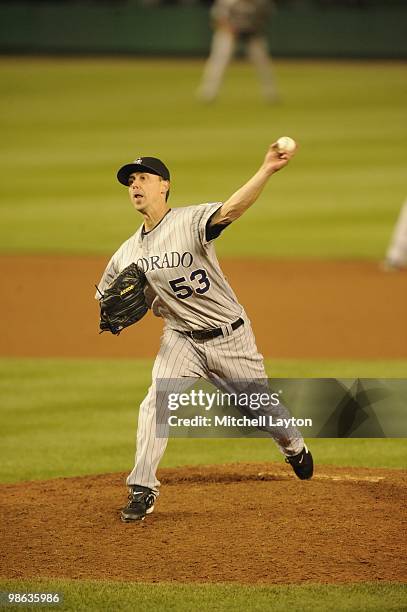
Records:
x=285, y=144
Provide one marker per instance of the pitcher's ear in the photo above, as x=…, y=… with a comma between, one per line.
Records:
x=165, y=188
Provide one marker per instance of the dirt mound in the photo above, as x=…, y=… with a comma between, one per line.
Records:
x=249, y=523
x=299, y=309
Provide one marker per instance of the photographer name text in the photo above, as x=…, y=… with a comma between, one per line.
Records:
x=233, y=421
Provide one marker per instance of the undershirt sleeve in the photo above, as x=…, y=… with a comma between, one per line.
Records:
x=213, y=231
x=202, y=216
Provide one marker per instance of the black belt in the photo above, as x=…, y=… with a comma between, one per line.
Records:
x=208, y=334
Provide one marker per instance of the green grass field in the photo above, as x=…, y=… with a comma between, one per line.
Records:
x=68, y=124
x=70, y=417
x=96, y=595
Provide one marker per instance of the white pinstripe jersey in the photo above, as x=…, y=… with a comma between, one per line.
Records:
x=189, y=289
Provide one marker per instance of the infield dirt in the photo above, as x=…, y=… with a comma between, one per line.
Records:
x=299, y=309
x=213, y=524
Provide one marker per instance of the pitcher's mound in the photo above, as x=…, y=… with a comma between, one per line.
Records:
x=246, y=523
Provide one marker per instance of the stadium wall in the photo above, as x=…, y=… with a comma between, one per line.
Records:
x=301, y=29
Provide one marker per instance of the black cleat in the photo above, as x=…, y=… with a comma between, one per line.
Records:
x=302, y=464
x=141, y=502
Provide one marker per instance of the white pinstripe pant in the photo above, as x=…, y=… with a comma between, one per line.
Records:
x=223, y=358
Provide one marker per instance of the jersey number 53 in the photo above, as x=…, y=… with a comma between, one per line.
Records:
x=183, y=290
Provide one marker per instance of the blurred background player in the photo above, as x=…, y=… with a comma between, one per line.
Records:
x=238, y=21
x=396, y=256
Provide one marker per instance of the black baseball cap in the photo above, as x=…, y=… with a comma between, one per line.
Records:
x=152, y=165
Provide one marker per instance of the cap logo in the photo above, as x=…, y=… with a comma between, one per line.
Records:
x=138, y=161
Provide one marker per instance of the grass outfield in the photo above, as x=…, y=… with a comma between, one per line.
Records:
x=68, y=123
x=94, y=595
x=76, y=417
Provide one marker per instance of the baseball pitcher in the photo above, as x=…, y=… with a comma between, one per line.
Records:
x=171, y=259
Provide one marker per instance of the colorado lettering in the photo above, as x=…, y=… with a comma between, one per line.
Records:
x=168, y=260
